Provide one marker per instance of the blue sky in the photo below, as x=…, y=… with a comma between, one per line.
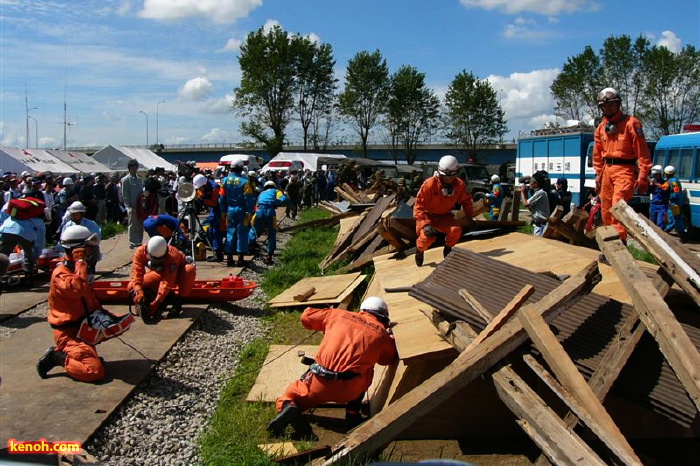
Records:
x=113, y=59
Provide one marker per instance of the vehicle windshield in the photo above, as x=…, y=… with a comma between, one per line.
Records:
x=477, y=172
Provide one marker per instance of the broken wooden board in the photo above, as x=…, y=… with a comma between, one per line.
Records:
x=276, y=450
x=331, y=289
x=282, y=366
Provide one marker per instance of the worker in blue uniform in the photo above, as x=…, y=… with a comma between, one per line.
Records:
x=237, y=201
x=266, y=215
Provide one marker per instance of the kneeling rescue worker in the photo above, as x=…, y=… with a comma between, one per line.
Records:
x=352, y=344
x=71, y=298
x=167, y=267
x=436, y=198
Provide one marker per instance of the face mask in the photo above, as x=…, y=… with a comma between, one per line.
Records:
x=448, y=190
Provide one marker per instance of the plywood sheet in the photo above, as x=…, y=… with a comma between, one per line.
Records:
x=330, y=289
x=281, y=367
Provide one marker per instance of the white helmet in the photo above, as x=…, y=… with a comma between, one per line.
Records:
x=199, y=180
x=270, y=184
x=448, y=165
x=670, y=170
x=75, y=207
x=376, y=306
x=68, y=181
x=656, y=169
x=75, y=236
x=157, y=247
x=252, y=174
x=608, y=95
x=495, y=179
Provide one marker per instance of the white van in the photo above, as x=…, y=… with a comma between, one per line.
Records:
x=285, y=161
x=251, y=162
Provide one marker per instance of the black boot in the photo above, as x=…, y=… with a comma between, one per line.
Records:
x=278, y=424
x=419, y=258
x=50, y=359
x=229, y=260
x=446, y=250
x=268, y=259
x=176, y=308
x=240, y=262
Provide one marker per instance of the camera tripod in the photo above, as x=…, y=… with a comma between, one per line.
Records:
x=189, y=213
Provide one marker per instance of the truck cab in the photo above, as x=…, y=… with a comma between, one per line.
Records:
x=475, y=176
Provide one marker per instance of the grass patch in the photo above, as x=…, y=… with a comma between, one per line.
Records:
x=111, y=229
x=641, y=255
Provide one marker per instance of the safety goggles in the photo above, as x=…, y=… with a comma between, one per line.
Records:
x=447, y=172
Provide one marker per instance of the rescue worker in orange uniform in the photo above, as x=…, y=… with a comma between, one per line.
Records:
x=167, y=267
x=436, y=198
x=71, y=299
x=621, y=157
x=353, y=343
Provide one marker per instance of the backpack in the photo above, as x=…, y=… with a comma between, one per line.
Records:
x=25, y=208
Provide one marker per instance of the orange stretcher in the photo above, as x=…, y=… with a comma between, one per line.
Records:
x=204, y=291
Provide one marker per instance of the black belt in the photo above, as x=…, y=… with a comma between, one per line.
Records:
x=69, y=324
x=321, y=371
x=617, y=161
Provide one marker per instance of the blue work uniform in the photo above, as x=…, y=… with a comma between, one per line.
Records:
x=237, y=201
x=658, y=197
x=266, y=215
x=496, y=197
x=675, y=204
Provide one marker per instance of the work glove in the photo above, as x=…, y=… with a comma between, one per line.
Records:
x=78, y=254
x=429, y=231
x=139, y=297
x=642, y=186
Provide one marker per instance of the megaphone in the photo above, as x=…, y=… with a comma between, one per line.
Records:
x=186, y=192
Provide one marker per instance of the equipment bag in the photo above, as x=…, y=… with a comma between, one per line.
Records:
x=102, y=325
x=25, y=208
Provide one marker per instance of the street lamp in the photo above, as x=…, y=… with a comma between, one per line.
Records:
x=26, y=119
x=36, y=131
x=157, y=138
x=146, y=115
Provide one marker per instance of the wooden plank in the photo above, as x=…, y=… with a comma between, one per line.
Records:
x=516, y=207
x=344, y=238
x=506, y=208
x=640, y=228
x=561, y=445
x=561, y=364
x=475, y=304
x=380, y=429
x=330, y=289
x=554, y=218
x=391, y=239
x=674, y=343
x=304, y=295
x=282, y=366
x=321, y=222
x=346, y=195
x=365, y=259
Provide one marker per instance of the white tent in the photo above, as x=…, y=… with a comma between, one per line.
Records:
x=80, y=161
x=117, y=157
x=31, y=160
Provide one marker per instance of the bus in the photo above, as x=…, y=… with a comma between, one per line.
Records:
x=682, y=151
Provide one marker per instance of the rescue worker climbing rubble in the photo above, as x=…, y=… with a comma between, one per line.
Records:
x=352, y=344
x=167, y=267
x=71, y=298
x=436, y=198
x=620, y=157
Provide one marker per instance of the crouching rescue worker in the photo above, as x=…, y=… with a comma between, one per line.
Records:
x=71, y=299
x=353, y=343
x=266, y=215
x=436, y=198
x=153, y=289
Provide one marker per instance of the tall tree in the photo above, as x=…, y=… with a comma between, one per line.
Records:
x=412, y=111
x=474, y=116
x=622, y=68
x=577, y=85
x=672, y=90
x=365, y=96
x=315, y=83
x=266, y=92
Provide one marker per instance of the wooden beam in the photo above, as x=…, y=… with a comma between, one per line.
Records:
x=385, y=425
x=554, y=218
x=640, y=228
x=458, y=334
x=599, y=421
x=516, y=207
x=561, y=445
x=505, y=209
x=674, y=343
x=475, y=304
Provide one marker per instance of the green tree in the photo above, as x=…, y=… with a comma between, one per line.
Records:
x=622, y=68
x=576, y=87
x=315, y=84
x=266, y=93
x=365, y=96
x=474, y=116
x=671, y=96
x=412, y=111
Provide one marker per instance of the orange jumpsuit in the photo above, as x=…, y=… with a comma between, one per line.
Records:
x=619, y=159
x=352, y=342
x=434, y=208
x=176, y=271
x=70, y=299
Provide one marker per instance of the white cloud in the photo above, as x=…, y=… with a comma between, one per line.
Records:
x=314, y=38
x=219, y=11
x=670, y=41
x=232, y=45
x=124, y=9
x=218, y=106
x=219, y=135
x=544, y=7
x=526, y=29
x=269, y=25
x=196, y=89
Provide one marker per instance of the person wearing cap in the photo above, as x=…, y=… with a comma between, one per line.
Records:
x=675, y=203
x=658, y=197
x=65, y=197
x=237, y=202
x=156, y=269
x=71, y=299
x=209, y=192
x=495, y=197
x=621, y=157
x=436, y=199
x=13, y=192
x=353, y=343
x=132, y=188
x=75, y=215
x=563, y=194
x=534, y=197
x=266, y=216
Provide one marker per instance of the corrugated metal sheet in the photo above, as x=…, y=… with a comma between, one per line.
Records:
x=585, y=330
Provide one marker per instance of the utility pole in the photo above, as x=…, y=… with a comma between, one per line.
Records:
x=36, y=131
x=146, y=115
x=157, y=137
